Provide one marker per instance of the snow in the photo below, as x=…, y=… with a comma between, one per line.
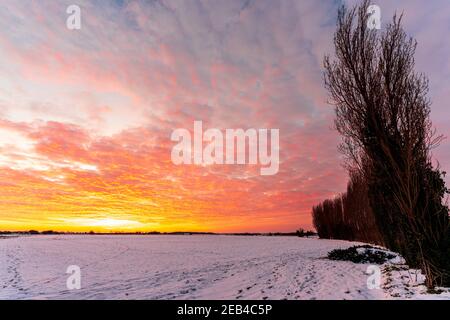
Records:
x=191, y=267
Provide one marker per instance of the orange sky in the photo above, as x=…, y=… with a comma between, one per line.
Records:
x=71, y=181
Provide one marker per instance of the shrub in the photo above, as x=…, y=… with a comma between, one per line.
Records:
x=361, y=254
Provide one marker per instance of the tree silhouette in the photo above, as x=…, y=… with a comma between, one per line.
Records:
x=382, y=113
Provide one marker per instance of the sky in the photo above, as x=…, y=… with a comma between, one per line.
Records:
x=86, y=115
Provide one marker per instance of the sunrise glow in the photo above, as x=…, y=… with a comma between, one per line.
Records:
x=86, y=115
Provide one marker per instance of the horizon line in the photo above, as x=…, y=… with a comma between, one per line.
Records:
x=52, y=232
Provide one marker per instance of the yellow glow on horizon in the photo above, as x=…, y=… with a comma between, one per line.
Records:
x=107, y=223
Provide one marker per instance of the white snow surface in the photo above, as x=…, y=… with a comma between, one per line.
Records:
x=191, y=267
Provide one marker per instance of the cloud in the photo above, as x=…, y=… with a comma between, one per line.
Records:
x=86, y=115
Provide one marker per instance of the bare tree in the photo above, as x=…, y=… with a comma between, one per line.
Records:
x=382, y=113
x=348, y=216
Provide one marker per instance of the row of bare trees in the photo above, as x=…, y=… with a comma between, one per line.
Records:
x=348, y=216
x=383, y=115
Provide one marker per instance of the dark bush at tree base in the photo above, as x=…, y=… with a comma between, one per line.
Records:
x=368, y=254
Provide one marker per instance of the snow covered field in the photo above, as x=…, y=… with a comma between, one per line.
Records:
x=182, y=267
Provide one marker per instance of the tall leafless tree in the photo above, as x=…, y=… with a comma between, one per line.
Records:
x=383, y=115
